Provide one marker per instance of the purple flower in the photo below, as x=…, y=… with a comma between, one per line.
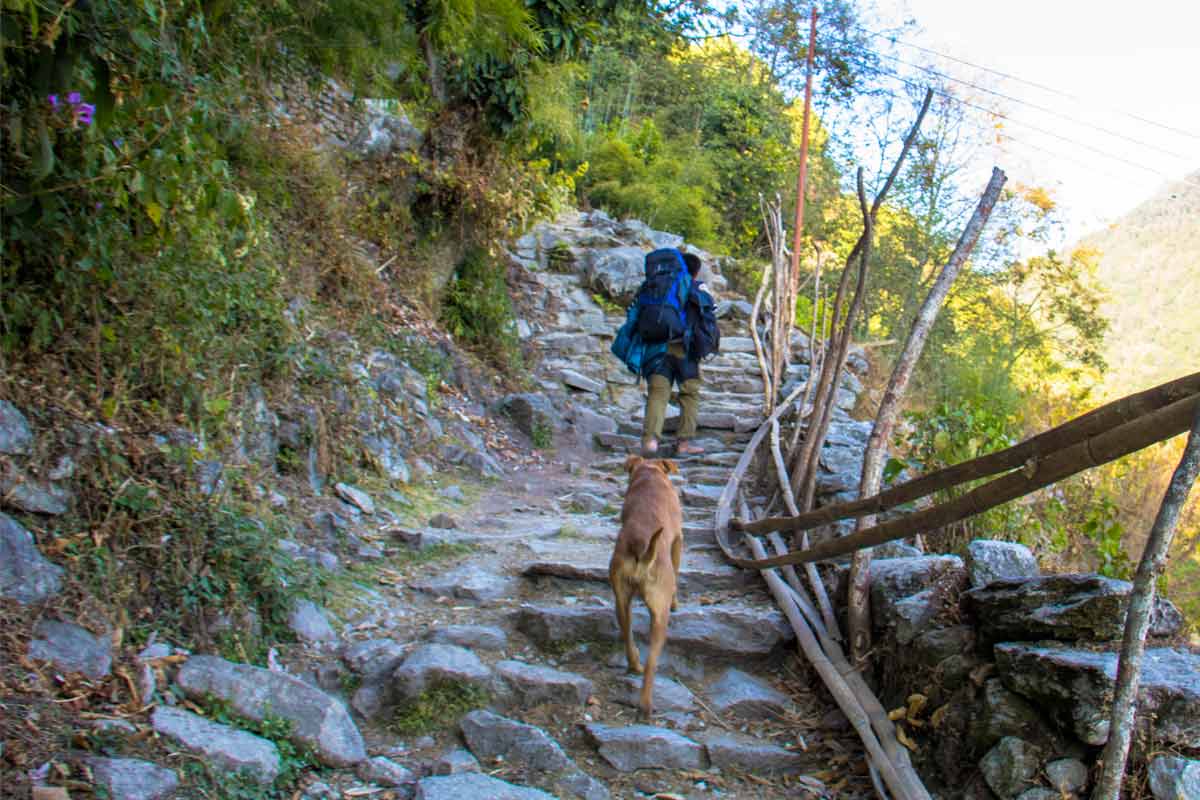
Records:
x=53, y=100
x=73, y=98
x=84, y=113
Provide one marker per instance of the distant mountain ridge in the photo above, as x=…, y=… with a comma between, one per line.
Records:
x=1150, y=265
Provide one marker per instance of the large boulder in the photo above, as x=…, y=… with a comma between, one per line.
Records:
x=25, y=574
x=319, y=720
x=1063, y=607
x=617, y=272
x=1077, y=687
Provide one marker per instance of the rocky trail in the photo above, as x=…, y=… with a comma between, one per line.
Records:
x=465, y=646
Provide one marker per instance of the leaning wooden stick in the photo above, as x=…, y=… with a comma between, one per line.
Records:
x=1137, y=622
x=903, y=783
x=1100, y=449
x=858, y=605
x=1095, y=422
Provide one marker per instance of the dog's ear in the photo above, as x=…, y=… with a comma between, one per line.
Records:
x=632, y=462
x=668, y=466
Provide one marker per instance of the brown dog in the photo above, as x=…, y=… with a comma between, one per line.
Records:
x=645, y=561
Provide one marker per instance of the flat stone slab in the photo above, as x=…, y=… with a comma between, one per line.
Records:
x=133, y=779
x=430, y=664
x=319, y=720
x=728, y=630
x=727, y=751
x=474, y=637
x=577, y=381
x=226, y=748
x=1077, y=686
x=588, y=561
x=71, y=648
x=645, y=747
x=746, y=696
x=489, y=735
x=1064, y=607
x=534, y=684
x=472, y=785
x=669, y=695
x=25, y=574
x=470, y=582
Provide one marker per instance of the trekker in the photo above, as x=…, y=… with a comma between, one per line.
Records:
x=674, y=366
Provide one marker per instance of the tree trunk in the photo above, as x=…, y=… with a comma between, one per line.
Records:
x=1137, y=622
x=433, y=66
x=858, y=606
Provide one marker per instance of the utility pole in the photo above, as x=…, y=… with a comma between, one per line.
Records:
x=802, y=182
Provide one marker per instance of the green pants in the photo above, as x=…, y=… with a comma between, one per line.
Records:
x=673, y=367
x=656, y=407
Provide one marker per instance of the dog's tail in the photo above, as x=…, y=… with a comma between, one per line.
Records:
x=645, y=559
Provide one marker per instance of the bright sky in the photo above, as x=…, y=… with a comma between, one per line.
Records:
x=1120, y=60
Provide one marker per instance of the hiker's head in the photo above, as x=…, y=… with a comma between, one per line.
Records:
x=693, y=263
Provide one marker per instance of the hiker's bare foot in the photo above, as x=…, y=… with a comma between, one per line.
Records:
x=685, y=448
x=649, y=448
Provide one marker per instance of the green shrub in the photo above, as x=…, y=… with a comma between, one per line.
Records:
x=478, y=309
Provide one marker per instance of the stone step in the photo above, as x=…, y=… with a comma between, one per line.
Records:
x=734, y=630
x=588, y=561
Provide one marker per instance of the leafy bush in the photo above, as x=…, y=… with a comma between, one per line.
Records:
x=132, y=251
x=478, y=309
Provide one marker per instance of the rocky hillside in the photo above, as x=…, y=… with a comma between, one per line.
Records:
x=459, y=639
x=1149, y=265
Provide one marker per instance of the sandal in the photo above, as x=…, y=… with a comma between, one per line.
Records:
x=649, y=448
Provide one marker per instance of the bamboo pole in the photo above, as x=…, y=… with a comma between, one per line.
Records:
x=1095, y=422
x=1099, y=449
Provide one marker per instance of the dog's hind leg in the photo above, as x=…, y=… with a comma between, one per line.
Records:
x=624, y=599
x=659, y=616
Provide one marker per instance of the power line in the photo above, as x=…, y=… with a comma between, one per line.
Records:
x=1082, y=101
x=1043, y=131
x=1041, y=108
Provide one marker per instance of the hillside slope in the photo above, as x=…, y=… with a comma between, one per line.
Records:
x=1150, y=264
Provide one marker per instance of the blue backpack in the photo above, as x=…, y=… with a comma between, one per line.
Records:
x=628, y=345
x=662, y=297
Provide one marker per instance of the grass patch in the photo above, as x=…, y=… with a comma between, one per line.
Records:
x=438, y=707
